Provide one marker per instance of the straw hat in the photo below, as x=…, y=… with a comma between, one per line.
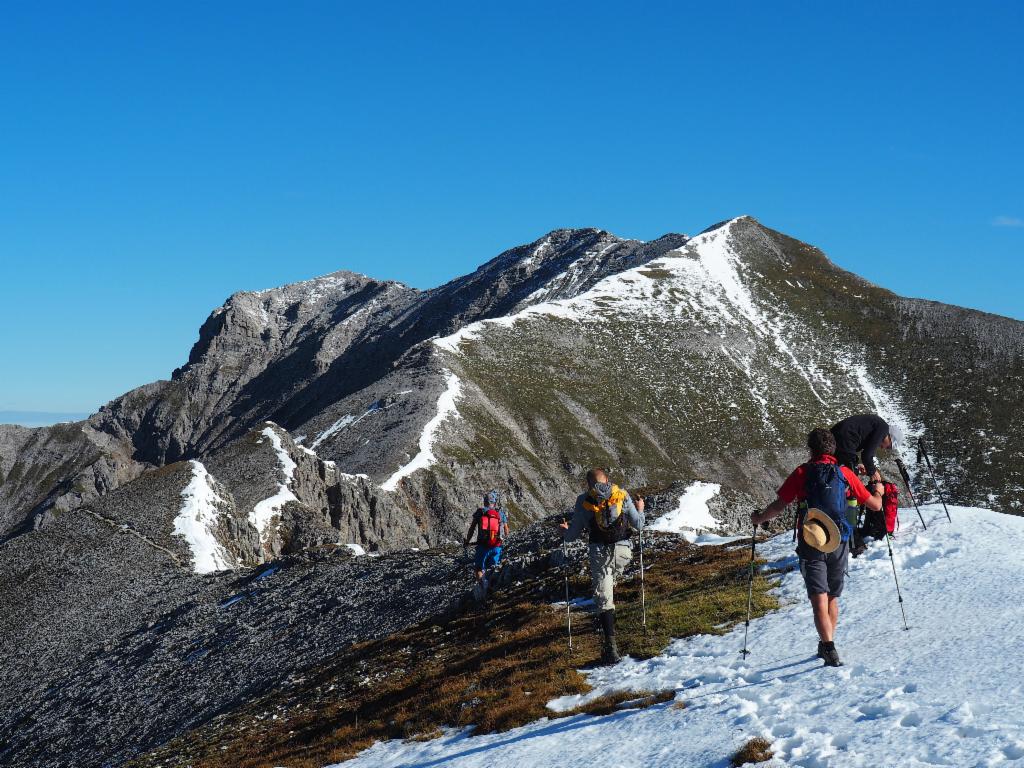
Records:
x=820, y=531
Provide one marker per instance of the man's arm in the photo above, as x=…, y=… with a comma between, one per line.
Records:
x=575, y=526
x=867, y=454
x=871, y=499
x=772, y=511
x=469, y=533
x=634, y=512
x=787, y=494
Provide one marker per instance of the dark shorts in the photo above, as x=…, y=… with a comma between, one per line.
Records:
x=485, y=557
x=824, y=574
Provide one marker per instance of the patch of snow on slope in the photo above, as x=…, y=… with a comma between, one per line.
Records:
x=886, y=406
x=347, y=421
x=717, y=270
x=425, y=457
x=337, y=426
x=544, y=245
x=947, y=692
x=706, y=272
x=628, y=290
x=197, y=521
x=691, y=513
x=265, y=511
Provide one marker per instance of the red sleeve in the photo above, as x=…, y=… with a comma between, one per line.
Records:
x=794, y=488
x=860, y=493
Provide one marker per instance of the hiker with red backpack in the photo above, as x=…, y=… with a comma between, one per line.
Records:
x=823, y=487
x=491, y=522
x=610, y=517
x=858, y=439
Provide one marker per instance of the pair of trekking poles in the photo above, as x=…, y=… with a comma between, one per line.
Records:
x=888, y=540
x=643, y=594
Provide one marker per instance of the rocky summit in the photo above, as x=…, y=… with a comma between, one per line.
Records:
x=201, y=540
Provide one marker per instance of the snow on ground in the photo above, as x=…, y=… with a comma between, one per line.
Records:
x=945, y=693
x=691, y=514
x=197, y=521
x=265, y=511
x=425, y=457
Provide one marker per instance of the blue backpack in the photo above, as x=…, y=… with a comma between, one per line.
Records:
x=826, y=489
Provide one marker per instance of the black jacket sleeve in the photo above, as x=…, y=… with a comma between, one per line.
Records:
x=871, y=444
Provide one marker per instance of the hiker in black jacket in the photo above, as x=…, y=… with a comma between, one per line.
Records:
x=858, y=438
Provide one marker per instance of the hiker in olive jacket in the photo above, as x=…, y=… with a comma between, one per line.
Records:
x=609, y=515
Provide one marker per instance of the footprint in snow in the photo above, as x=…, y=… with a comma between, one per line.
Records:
x=1014, y=751
x=875, y=711
x=911, y=720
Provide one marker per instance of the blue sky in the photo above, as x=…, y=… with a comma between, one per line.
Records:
x=156, y=158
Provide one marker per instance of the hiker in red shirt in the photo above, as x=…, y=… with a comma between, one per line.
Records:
x=822, y=487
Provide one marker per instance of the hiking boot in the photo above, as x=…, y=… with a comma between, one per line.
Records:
x=830, y=655
x=821, y=650
x=610, y=652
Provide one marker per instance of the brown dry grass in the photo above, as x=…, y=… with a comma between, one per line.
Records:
x=495, y=670
x=754, y=751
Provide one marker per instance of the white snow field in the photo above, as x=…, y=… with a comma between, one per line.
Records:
x=948, y=692
x=691, y=514
x=197, y=521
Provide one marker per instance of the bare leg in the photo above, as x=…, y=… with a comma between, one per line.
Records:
x=833, y=613
x=822, y=617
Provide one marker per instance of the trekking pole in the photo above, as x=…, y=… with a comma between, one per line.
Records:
x=643, y=596
x=750, y=591
x=888, y=541
x=942, y=498
x=568, y=613
x=906, y=481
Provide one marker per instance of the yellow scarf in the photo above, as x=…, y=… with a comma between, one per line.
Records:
x=606, y=511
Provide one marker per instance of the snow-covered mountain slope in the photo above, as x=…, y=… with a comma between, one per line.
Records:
x=713, y=361
x=945, y=693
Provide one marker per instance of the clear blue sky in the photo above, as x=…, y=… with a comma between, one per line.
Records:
x=155, y=158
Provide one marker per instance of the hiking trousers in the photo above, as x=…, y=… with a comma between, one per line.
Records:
x=607, y=564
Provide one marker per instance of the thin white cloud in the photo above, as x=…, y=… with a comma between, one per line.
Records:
x=1007, y=221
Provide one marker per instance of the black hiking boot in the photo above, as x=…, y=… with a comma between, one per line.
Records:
x=830, y=655
x=610, y=651
x=821, y=651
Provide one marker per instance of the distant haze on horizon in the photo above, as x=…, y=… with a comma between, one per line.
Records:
x=157, y=159
x=38, y=418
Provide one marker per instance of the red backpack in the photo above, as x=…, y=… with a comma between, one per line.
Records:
x=890, y=506
x=886, y=520
x=490, y=528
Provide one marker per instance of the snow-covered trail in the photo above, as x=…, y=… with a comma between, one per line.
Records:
x=945, y=693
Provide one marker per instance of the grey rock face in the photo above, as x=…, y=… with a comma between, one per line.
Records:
x=304, y=356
